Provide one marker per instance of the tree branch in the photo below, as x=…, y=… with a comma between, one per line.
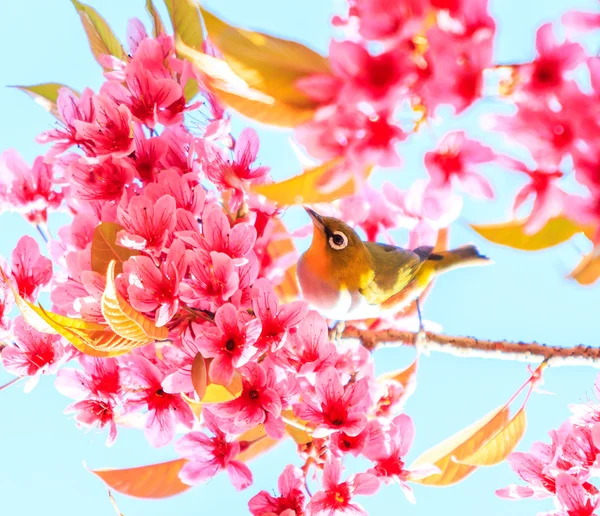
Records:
x=472, y=347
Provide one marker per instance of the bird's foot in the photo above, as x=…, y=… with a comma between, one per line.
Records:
x=421, y=335
x=336, y=331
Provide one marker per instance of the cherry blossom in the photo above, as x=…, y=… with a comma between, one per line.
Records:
x=208, y=455
x=290, y=502
x=30, y=270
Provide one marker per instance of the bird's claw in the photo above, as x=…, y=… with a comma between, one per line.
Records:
x=335, y=333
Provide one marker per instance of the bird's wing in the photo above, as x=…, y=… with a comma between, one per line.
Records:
x=394, y=269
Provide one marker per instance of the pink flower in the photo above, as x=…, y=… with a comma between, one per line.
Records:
x=454, y=160
x=336, y=497
x=34, y=354
x=156, y=289
x=6, y=303
x=185, y=189
x=71, y=109
x=213, y=279
x=308, y=348
x=387, y=451
x=30, y=190
x=148, y=153
x=290, y=502
x=104, y=181
x=577, y=22
x=147, y=97
x=260, y=403
x=275, y=321
x=368, y=210
x=99, y=378
x=236, y=241
x=573, y=498
x=545, y=75
x=30, y=270
x=209, y=455
x=110, y=133
x=238, y=174
x=547, y=196
x=423, y=209
x=98, y=413
x=342, y=443
x=335, y=407
x=549, y=135
x=381, y=19
x=230, y=343
x=144, y=379
x=147, y=224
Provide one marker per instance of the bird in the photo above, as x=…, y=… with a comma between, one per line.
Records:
x=345, y=278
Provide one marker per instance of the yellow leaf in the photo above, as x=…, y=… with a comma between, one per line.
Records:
x=82, y=334
x=123, y=319
x=303, y=188
x=194, y=405
x=105, y=248
x=185, y=19
x=100, y=36
x=158, y=26
x=512, y=234
x=501, y=445
x=463, y=444
x=588, y=269
x=267, y=111
x=45, y=94
x=199, y=375
x=294, y=428
x=253, y=434
x=269, y=64
x=153, y=481
x=191, y=89
x=216, y=393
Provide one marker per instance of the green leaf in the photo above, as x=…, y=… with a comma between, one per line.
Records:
x=100, y=36
x=186, y=22
x=512, y=234
x=45, y=94
x=191, y=89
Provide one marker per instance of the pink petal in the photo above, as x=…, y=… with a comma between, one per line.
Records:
x=160, y=427
x=194, y=473
x=239, y=474
x=331, y=474
x=365, y=484
x=328, y=386
x=247, y=145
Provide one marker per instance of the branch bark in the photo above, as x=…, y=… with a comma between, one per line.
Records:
x=472, y=347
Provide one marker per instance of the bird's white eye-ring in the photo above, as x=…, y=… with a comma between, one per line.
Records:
x=338, y=240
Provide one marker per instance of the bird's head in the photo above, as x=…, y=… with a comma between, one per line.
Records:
x=336, y=249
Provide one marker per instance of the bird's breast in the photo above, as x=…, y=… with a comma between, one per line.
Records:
x=330, y=300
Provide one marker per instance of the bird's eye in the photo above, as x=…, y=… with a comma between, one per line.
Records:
x=338, y=240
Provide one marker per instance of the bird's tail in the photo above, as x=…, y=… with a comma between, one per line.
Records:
x=464, y=256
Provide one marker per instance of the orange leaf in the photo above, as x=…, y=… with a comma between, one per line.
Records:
x=512, y=234
x=304, y=188
x=45, y=94
x=105, y=248
x=154, y=481
x=158, y=26
x=123, y=319
x=100, y=36
x=287, y=290
x=501, y=445
x=588, y=269
x=253, y=434
x=199, y=375
x=185, y=19
x=259, y=447
x=463, y=444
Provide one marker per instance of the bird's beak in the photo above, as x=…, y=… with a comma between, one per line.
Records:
x=316, y=218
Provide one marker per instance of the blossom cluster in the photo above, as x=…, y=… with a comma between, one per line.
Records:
x=196, y=261
x=403, y=59
x=564, y=469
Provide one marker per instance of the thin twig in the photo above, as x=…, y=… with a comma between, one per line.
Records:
x=472, y=347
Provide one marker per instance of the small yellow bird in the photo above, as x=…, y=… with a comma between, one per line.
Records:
x=347, y=279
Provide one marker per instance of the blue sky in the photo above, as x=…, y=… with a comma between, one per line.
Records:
x=522, y=297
